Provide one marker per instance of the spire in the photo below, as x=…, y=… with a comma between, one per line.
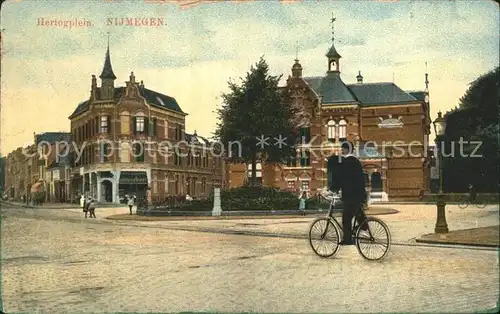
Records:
x=107, y=71
x=426, y=92
x=359, y=77
x=332, y=54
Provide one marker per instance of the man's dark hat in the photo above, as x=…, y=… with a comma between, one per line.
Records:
x=347, y=145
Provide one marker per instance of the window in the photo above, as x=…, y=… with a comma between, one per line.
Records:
x=189, y=157
x=305, y=135
x=258, y=172
x=104, y=150
x=342, y=130
x=166, y=182
x=304, y=186
x=165, y=128
x=104, y=124
x=305, y=159
x=176, y=184
x=291, y=161
x=203, y=185
x=331, y=130
x=153, y=126
x=291, y=185
x=139, y=124
x=96, y=124
x=138, y=152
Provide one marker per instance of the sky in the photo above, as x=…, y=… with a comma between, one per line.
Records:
x=46, y=70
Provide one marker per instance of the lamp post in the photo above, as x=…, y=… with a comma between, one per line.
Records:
x=439, y=128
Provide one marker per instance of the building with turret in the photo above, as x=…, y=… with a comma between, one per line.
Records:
x=388, y=126
x=131, y=138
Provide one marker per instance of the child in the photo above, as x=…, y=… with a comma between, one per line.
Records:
x=130, y=203
x=302, y=203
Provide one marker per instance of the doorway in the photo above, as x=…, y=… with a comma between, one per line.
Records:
x=376, y=182
x=106, y=191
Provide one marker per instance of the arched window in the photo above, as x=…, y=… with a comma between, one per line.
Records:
x=342, y=130
x=331, y=130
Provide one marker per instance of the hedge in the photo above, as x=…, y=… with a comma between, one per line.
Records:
x=236, y=199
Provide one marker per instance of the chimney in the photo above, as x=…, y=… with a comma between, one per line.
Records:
x=359, y=78
x=93, y=89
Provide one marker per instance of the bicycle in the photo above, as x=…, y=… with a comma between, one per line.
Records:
x=466, y=202
x=361, y=237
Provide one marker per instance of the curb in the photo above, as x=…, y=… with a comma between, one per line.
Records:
x=457, y=243
x=57, y=207
x=21, y=205
x=240, y=215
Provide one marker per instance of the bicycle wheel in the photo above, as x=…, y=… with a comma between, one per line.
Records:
x=463, y=204
x=480, y=204
x=324, y=237
x=374, y=243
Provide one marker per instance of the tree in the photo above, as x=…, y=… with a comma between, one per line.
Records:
x=257, y=114
x=476, y=119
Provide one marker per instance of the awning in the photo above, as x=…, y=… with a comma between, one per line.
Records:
x=37, y=187
x=133, y=177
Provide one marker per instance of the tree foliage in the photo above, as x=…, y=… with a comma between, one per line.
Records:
x=475, y=120
x=256, y=107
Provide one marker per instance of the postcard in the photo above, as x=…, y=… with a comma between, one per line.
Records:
x=249, y=156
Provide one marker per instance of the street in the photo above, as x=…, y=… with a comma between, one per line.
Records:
x=55, y=261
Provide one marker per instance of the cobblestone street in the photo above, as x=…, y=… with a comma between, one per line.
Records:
x=63, y=263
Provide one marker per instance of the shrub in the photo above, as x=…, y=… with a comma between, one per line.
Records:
x=258, y=198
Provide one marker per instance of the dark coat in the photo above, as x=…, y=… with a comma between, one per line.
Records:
x=347, y=174
x=333, y=166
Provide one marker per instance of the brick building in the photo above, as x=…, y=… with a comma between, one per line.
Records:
x=371, y=115
x=30, y=168
x=132, y=138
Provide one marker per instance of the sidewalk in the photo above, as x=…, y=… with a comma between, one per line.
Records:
x=485, y=236
x=56, y=205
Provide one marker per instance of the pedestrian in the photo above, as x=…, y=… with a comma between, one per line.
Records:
x=92, y=206
x=353, y=191
x=421, y=195
x=302, y=203
x=87, y=204
x=130, y=203
x=83, y=205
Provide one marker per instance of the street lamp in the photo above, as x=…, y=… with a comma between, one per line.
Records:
x=439, y=128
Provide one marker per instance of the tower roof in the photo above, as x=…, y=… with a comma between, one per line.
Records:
x=297, y=65
x=332, y=53
x=107, y=71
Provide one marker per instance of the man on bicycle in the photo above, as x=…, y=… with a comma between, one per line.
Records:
x=346, y=174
